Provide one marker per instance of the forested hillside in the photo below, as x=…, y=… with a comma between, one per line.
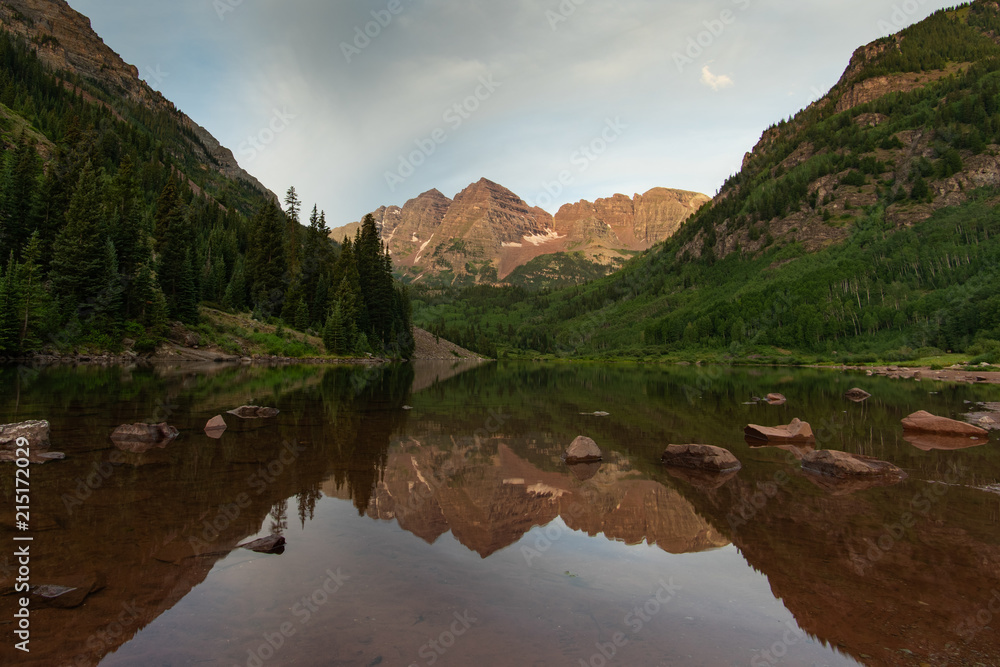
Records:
x=111, y=227
x=864, y=228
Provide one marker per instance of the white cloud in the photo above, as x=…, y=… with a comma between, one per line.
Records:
x=715, y=82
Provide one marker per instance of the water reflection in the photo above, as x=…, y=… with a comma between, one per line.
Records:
x=885, y=575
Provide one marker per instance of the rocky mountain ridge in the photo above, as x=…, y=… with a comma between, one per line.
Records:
x=487, y=231
x=65, y=40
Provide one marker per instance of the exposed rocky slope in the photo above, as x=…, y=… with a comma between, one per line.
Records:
x=785, y=193
x=487, y=231
x=64, y=40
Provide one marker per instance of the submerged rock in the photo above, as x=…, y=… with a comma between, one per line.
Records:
x=215, y=427
x=702, y=479
x=857, y=395
x=254, y=412
x=797, y=431
x=583, y=450
x=833, y=463
x=701, y=457
x=585, y=471
x=140, y=438
x=272, y=544
x=68, y=592
x=925, y=422
x=931, y=441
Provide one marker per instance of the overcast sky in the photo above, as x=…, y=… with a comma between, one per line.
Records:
x=559, y=100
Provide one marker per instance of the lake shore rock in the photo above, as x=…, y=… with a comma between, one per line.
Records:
x=797, y=431
x=925, y=422
x=583, y=450
x=706, y=458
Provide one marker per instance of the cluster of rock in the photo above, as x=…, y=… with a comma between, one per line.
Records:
x=842, y=471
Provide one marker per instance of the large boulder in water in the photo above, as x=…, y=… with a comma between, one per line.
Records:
x=272, y=544
x=857, y=395
x=254, y=412
x=701, y=457
x=833, y=463
x=925, y=422
x=797, y=431
x=215, y=427
x=35, y=432
x=583, y=450
x=140, y=438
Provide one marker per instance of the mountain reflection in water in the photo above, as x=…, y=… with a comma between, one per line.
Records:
x=766, y=566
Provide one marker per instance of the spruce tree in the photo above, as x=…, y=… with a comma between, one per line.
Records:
x=266, y=265
x=79, y=264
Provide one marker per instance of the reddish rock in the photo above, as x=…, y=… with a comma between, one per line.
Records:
x=776, y=399
x=583, y=450
x=701, y=457
x=797, y=431
x=931, y=442
x=925, y=422
x=833, y=463
x=215, y=427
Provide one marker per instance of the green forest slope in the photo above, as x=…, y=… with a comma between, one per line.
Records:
x=866, y=227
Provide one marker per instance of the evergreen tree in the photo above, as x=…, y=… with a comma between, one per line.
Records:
x=80, y=259
x=21, y=174
x=266, y=266
x=235, y=297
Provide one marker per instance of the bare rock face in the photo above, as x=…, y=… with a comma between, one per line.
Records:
x=583, y=450
x=701, y=457
x=215, y=427
x=925, y=422
x=843, y=465
x=489, y=230
x=857, y=395
x=65, y=40
x=254, y=412
x=796, y=432
x=139, y=438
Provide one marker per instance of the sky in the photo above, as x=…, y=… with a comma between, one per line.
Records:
x=371, y=102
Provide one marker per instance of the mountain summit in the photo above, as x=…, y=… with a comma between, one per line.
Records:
x=487, y=233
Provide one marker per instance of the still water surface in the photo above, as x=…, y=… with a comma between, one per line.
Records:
x=430, y=521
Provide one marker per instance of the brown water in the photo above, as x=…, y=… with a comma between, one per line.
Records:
x=452, y=534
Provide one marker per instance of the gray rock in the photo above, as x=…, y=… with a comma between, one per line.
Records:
x=35, y=432
x=139, y=438
x=254, y=412
x=272, y=544
x=857, y=395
